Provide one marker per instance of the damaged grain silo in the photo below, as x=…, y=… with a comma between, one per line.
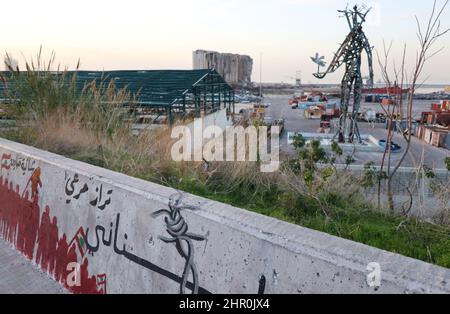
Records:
x=234, y=68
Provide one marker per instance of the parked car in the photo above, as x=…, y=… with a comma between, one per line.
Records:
x=394, y=147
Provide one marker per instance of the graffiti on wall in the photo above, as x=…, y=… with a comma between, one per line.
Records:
x=37, y=236
x=78, y=244
x=25, y=164
x=35, y=233
x=5, y=162
x=110, y=239
x=74, y=189
x=178, y=229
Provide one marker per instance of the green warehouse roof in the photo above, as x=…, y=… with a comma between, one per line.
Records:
x=158, y=88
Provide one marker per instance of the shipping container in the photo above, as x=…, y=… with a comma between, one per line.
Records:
x=443, y=119
x=428, y=135
x=438, y=138
x=419, y=132
x=446, y=105
x=430, y=119
x=435, y=107
x=425, y=117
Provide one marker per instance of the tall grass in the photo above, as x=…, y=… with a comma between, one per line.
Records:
x=46, y=97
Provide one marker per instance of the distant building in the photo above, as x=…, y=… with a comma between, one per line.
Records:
x=234, y=68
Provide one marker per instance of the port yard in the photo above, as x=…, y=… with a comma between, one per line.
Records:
x=295, y=121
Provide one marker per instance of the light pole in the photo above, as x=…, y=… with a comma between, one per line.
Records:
x=260, y=74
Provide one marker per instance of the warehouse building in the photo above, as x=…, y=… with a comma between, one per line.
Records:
x=169, y=93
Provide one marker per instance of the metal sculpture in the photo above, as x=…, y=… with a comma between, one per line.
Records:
x=349, y=54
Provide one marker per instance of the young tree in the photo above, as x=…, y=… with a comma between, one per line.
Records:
x=427, y=34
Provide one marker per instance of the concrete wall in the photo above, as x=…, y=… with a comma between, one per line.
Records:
x=235, y=68
x=58, y=211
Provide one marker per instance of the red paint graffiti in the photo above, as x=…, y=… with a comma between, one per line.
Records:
x=21, y=225
x=4, y=162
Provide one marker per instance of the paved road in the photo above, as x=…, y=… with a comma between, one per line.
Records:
x=434, y=157
x=20, y=276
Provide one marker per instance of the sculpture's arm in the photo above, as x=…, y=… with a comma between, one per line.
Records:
x=338, y=60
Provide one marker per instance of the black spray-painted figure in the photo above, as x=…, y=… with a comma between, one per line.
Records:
x=349, y=54
x=177, y=228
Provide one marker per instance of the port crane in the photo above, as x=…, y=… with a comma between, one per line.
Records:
x=349, y=54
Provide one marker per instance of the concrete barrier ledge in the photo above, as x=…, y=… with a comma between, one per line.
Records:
x=224, y=250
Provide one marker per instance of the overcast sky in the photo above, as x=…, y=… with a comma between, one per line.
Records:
x=151, y=34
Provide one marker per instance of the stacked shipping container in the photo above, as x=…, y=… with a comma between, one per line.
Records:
x=435, y=125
